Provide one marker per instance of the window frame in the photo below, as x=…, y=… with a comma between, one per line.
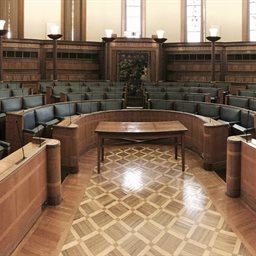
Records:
x=184, y=18
x=246, y=35
x=142, y=17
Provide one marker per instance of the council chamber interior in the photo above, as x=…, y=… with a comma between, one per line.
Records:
x=127, y=127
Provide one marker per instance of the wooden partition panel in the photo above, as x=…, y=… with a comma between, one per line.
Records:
x=14, y=124
x=248, y=173
x=25, y=186
x=241, y=175
x=215, y=145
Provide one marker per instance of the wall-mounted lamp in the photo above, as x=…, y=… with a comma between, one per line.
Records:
x=55, y=35
x=3, y=32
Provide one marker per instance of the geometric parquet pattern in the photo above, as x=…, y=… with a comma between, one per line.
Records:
x=142, y=204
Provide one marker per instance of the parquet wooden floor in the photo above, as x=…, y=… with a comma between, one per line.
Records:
x=142, y=204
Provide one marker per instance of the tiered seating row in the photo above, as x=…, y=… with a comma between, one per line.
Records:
x=225, y=86
x=178, y=96
x=240, y=120
x=39, y=121
x=241, y=101
x=15, y=92
x=15, y=104
x=10, y=85
x=216, y=94
x=80, y=96
x=53, y=92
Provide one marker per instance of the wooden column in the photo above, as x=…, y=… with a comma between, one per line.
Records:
x=68, y=134
x=213, y=150
x=233, y=169
x=53, y=173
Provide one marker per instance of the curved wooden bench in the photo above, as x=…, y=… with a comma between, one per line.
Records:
x=205, y=136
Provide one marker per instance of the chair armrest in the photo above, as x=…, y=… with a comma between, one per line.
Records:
x=233, y=122
x=60, y=117
x=5, y=144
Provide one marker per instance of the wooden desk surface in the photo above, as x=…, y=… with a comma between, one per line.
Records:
x=145, y=130
x=140, y=127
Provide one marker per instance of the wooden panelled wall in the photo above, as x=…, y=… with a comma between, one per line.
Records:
x=31, y=60
x=235, y=62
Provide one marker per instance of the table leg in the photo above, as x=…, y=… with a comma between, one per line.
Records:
x=176, y=147
x=99, y=152
x=182, y=153
x=102, y=150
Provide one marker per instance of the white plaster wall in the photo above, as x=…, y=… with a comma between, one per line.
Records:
x=39, y=13
x=227, y=14
x=103, y=14
x=166, y=15
x=160, y=14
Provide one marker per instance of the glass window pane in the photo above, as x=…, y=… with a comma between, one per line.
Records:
x=132, y=2
x=193, y=37
x=252, y=35
x=133, y=16
x=252, y=8
x=252, y=20
x=133, y=25
x=194, y=24
x=193, y=2
x=133, y=12
x=194, y=11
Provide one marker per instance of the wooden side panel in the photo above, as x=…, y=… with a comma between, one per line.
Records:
x=248, y=174
x=215, y=145
x=22, y=195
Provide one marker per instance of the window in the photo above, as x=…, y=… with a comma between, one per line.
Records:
x=133, y=16
x=194, y=20
x=252, y=20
